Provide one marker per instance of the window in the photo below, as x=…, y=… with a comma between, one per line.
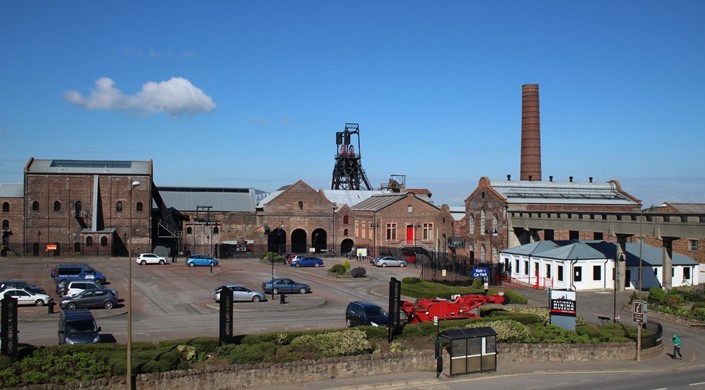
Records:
x=686, y=273
x=188, y=230
x=35, y=206
x=57, y=206
x=494, y=224
x=427, y=233
x=345, y=232
x=346, y=220
x=482, y=221
x=656, y=272
x=548, y=271
x=391, y=231
x=409, y=209
x=471, y=225
x=560, y=273
x=578, y=271
x=139, y=206
x=596, y=272
x=5, y=224
x=526, y=267
x=693, y=244
x=118, y=206
x=89, y=241
x=516, y=265
x=104, y=241
x=6, y=207
x=215, y=230
x=483, y=254
x=301, y=205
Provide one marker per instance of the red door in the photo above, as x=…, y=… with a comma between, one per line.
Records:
x=409, y=234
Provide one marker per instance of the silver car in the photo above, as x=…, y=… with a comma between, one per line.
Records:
x=388, y=261
x=240, y=293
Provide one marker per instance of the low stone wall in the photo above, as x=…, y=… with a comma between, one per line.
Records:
x=253, y=376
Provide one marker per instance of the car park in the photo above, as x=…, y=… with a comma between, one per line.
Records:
x=240, y=293
x=285, y=286
x=26, y=297
x=68, y=272
x=88, y=299
x=150, y=258
x=75, y=287
x=201, y=260
x=21, y=284
x=78, y=327
x=389, y=261
x=307, y=261
x=365, y=313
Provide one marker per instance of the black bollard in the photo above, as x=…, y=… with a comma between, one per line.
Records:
x=50, y=307
x=282, y=298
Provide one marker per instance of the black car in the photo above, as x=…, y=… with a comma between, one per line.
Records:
x=365, y=313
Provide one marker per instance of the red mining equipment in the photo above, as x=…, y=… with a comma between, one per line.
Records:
x=458, y=307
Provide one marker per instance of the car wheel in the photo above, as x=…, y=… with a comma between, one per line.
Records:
x=71, y=306
x=39, y=302
x=348, y=322
x=319, y=265
x=190, y=264
x=143, y=262
x=275, y=291
x=298, y=265
x=108, y=305
x=256, y=298
x=302, y=291
x=402, y=264
x=384, y=265
x=161, y=262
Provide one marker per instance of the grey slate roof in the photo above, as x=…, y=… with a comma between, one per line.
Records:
x=532, y=248
x=378, y=202
x=543, y=192
x=11, y=190
x=220, y=199
x=574, y=251
x=93, y=167
x=689, y=208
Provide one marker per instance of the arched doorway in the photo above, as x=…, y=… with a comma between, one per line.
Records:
x=319, y=240
x=298, y=241
x=276, y=241
x=346, y=246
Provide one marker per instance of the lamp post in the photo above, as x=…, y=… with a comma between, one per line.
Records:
x=134, y=185
x=620, y=259
x=422, y=267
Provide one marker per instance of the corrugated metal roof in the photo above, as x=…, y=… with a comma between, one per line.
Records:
x=219, y=199
x=689, y=208
x=542, y=192
x=93, y=167
x=379, y=202
x=351, y=197
x=11, y=190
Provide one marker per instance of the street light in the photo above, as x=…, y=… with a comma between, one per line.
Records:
x=135, y=184
x=415, y=251
x=620, y=259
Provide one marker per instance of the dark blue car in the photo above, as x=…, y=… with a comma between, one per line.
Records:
x=307, y=261
x=201, y=260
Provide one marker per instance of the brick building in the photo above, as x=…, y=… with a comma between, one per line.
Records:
x=12, y=217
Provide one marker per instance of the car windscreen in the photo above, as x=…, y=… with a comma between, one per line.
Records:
x=375, y=312
x=80, y=326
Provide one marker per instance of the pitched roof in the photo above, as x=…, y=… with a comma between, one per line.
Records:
x=93, y=167
x=532, y=248
x=574, y=251
x=553, y=192
x=379, y=202
x=688, y=208
x=219, y=199
x=11, y=190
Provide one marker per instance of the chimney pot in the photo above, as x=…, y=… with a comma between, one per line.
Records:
x=570, y=178
x=590, y=179
x=530, y=177
x=509, y=177
x=550, y=178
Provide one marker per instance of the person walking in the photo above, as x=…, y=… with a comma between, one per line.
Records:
x=676, y=347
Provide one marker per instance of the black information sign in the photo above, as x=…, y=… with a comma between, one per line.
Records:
x=394, y=307
x=226, y=315
x=563, y=307
x=8, y=323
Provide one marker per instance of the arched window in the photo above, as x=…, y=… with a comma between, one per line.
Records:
x=409, y=209
x=6, y=207
x=57, y=206
x=471, y=224
x=118, y=206
x=35, y=206
x=345, y=220
x=345, y=232
x=139, y=206
x=482, y=253
x=494, y=224
x=482, y=222
x=104, y=241
x=5, y=224
x=188, y=230
x=215, y=230
x=301, y=205
x=89, y=241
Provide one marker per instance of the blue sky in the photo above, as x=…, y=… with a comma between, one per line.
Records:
x=250, y=94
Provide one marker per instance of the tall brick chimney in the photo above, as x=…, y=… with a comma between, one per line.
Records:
x=530, y=133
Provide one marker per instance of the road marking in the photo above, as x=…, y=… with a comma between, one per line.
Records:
x=697, y=384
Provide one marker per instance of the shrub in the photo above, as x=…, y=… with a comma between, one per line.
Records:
x=507, y=330
x=332, y=344
x=337, y=269
x=477, y=283
x=346, y=264
x=657, y=295
x=358, y=272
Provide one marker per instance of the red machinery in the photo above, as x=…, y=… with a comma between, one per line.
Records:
x=458, y=307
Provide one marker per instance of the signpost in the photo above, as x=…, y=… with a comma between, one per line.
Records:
x=394, y=308
x=226, y=315
x=639, y=310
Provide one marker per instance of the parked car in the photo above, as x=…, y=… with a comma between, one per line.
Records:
x=88, y=299
x=78, y=327
x=307, y=261
x=75, y=287
x=201, y=260
x=285, y=286
x=240, y=293
x=388, y=261
x=150, y=258
x=21, y=284
x=365, y=313
x=26, y=297
x=67, y=272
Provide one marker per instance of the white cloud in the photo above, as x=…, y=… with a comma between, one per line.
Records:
x=176, y=96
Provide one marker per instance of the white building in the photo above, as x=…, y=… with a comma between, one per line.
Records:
x=589, y=265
